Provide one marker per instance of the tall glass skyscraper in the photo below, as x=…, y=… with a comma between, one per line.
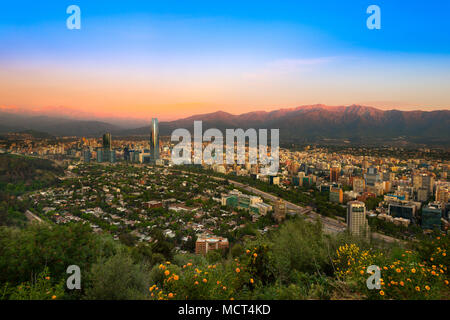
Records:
x=154, y=140
x=107, y=141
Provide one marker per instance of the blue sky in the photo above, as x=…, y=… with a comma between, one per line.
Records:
x=204, y=52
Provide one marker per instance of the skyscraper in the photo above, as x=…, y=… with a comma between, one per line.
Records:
x=154, y=140
x=106, y=153
x=356, y=218
x=107, y=141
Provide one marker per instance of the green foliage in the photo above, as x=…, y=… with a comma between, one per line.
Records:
x=28, y=251
x=301, y=246
x=117, y=278
x=41, y=287
x=237, y=251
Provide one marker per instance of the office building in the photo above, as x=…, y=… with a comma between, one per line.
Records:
x=356, y=218
x=431, y=216
x=336, y=195
x=403, y=209
x=154, y=140
x=107, y=141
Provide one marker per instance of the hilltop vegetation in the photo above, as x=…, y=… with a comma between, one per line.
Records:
x=297, y=261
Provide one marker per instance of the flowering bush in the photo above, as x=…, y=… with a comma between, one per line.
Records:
x=230, y=280
x=42, y=288
x=402, y=277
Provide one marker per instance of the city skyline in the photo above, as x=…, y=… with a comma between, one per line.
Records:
x=182, y=59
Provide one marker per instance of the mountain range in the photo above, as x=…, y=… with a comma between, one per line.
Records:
x=305, y=124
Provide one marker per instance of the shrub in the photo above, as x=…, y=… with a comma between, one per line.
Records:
x=117, y=278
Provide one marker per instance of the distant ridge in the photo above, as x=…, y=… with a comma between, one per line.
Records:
x=316, y=123
x=303, y=124
x=10, y=122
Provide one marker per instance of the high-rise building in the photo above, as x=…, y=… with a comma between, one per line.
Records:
x=126, y=154
x=358, y=184
x=154, y=140
x=87, y=155
x=107, y=141
x=423, y=180
x=356, y=218
x=100, y=155
x=372, y=177
x=106, y=153
x=335, y=172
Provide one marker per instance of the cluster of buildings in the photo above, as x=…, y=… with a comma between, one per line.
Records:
x=406, y=191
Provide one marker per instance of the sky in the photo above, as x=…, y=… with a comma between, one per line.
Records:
x=171, y=59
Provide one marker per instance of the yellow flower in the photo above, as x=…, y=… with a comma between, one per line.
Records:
x=362, y=272
x=413, y=270
x=167, y=272
x=204, y=280
x=255, y=255
x=398, y=270
x=175, y=277
x=382, y=293
x=446, y=282
x=248, y=251
x=417, y=288
x=444, y=254
x=427, y=287
x=238, y=270
x=252, y=281
x=402, y=283
x=53, y=297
